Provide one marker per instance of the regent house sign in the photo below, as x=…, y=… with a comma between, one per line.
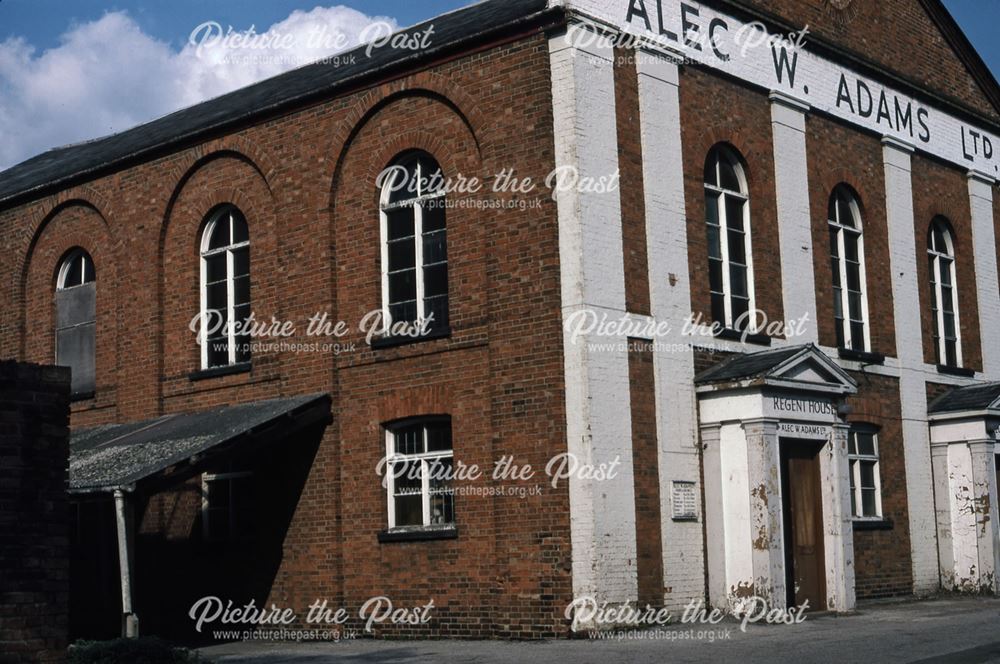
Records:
x=781, y=63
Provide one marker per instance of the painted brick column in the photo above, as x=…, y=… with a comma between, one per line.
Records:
x=913, y=396
x=942, y=511
x=987, y=285
x=593, y=280
x=670, y=300
x=766, y=530
x=791, y=182
x=839, y=540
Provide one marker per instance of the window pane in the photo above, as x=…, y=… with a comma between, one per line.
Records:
x=438, y=436
x=73, y=275
x=734, y=212
x=852, y=447
x=436, y=280
x=409, y=511
x=409, y=440
x=712, y=208
x=434, y=214
x=218, y=352
x=402, y=255
x=403, y=311
x=88, y=270
x=240, y=232
x=741, y=308
x=718, y=308
x=727, y=176
x=435, y=248
x=737, y=247
x=834, y=242
x=868, y=502
x=715, y=275
x=241, y=292
x=738, y=280
x=241, y=262
x=402, y=286
x=857, y=336
x=951, y=353
x=436, y=311
x=714, y=242
x=867, y=474
x=865, y=444
x=76, y=305
x=853, y=276
x=399, y=223
x=215, y=268
x=851, y=246
x=219, y=235
x=217, y=296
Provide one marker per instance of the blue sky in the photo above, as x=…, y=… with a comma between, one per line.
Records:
x=71, y=70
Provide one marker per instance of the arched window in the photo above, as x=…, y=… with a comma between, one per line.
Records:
x=414, y=242
x=76, y=315
x=847, y=265
x=727, y=214
x=225, y=288
x=944, y=297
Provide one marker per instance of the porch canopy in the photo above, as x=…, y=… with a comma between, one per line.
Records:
x=169, y=449
x=151, y=455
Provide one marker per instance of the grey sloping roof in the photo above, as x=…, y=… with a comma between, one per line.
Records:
x=751, y=365
x=969, y=397
x=62, y=165
x=117, y=455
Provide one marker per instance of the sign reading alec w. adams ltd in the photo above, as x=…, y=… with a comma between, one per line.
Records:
x=782, y=64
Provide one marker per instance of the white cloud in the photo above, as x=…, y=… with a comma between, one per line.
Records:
x=108, y=75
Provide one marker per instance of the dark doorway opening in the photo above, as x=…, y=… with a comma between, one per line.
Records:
x=802, y=512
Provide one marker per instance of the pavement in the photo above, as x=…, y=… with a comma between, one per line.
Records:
x=939, y=631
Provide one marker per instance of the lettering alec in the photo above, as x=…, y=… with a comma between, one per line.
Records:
x=788, y=68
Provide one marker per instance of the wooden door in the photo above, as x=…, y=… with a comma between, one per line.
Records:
x=802, y=508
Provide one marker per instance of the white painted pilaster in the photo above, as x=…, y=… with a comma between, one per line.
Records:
x=598, y=423
x=838, y=545
x=766, y=529
x=791, y=182
x=987, y=284
x=909, y=349
x=670, y=300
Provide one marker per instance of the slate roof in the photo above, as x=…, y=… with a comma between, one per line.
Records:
x=116, y=455
x=59, y=166
x=751, y=365
x=969, y=397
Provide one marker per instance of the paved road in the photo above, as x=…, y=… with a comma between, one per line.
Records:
x=942, y=631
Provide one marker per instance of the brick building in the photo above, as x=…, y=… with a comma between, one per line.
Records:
x=768, y=307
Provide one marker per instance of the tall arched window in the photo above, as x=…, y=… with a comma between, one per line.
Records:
x=727, y=214
x=847, y=265
x=944, y=297
x=76, y=315
x=225, y=288
x=414, y=242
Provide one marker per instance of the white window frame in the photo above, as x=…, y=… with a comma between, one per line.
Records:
x=854, y=461
x=229, y=249
x=842, y=231
x=417, y=203
x=425, y=458
x=722, y=152
x=228, y=477
x=938, y=292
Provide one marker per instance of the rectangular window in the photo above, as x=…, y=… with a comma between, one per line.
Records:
x=863, y=460
x=227, y=505
x=419, y=473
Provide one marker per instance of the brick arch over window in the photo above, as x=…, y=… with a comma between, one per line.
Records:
x=748, y=133
x=217, y=179
x=400, y=124
x=73, y=223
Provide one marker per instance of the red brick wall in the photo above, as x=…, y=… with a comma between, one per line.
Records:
x=746, y=125
x=633, y=203
x=838, y=155
x=306, y=182
x=645, y=461
x=941, y=190
x=898, y=35
x=34, y=513
x=882, y=565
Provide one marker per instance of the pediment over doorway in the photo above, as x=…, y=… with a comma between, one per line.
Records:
x=804, y=368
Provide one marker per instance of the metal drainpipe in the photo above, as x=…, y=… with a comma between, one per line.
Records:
x=126, y=562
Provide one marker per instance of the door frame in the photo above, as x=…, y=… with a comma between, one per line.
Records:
x=814, y=449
